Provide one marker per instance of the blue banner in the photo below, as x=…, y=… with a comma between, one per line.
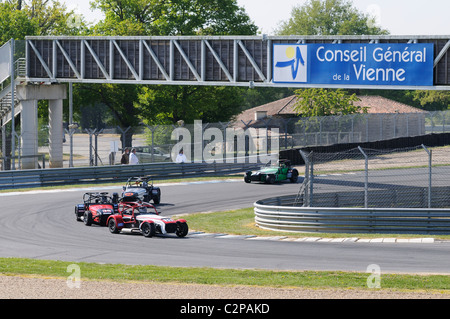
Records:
x=354, y=64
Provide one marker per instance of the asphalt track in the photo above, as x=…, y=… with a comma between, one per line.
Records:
x=42, y=225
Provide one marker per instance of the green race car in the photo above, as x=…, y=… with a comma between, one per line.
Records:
x=275, y=173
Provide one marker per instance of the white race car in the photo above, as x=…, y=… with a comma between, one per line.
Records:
x=143, y=218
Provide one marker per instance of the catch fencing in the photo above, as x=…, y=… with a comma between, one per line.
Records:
x=366, y=191
x=102, y=145
x=415, y=177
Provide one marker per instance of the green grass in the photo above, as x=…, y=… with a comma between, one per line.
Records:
x=224, y=277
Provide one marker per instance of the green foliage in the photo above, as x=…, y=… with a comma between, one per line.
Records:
x=38, y=17
x=322, y=102
x=14, y=24
x=119, y=98
x=169, y=104
x=328, y=17
x=177, y=17
x=432, y=100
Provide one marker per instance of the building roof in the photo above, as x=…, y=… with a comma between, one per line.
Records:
x=285, y=108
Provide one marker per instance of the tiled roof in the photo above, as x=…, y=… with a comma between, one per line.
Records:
x=285, y=107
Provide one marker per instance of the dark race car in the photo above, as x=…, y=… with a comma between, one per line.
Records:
x=138, y=217
x=275, y=173
x=96, y=208
x=139, y=188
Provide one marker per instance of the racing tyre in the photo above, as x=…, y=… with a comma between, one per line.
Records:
x=148, y=229
x=157, y=199
x=270, y=179
x=294, y=176
x=76, y=214
x=87, y=218
x=182, y=229
x=247, y=179
x=112, y=226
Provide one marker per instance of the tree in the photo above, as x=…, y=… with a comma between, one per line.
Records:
x=37, y=17
x=118, y=98
x=14, y=24
x=322, y=102
x=328, y=17
x=432, y=100
x=176, y=17
x=168, y=104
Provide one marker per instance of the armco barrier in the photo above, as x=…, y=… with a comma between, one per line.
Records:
x=279, y=213
x=116, y=173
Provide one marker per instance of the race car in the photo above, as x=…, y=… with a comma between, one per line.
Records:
x=275, y=173
x=140, y=189
x=96, y=208
x=140, y=217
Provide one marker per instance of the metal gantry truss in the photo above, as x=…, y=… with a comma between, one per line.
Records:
x=188, y=60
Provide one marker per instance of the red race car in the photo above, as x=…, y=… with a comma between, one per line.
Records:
x=141, y=217
x=96, y=208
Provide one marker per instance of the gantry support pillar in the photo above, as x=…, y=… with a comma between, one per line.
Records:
x=28, y=96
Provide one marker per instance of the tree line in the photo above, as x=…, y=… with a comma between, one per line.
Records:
x=128, y=105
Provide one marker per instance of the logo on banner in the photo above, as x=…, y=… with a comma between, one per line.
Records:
x=290, y=63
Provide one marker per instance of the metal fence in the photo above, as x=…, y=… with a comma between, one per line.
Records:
x=278, y=213
x=103, y=145
x=115, y=174
x=366, y=191
x=416, y=177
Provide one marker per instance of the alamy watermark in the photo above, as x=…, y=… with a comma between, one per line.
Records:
x=229, y=145
x=74, y=279
x=374, y=280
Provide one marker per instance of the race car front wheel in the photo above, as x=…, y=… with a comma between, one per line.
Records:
x=87, y=218
x=148, y=229
x=112, y=225
x=182, y=229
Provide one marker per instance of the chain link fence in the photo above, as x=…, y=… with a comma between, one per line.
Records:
x=103, y=145
x=415, y=177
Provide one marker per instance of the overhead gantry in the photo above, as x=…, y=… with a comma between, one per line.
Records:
x=47, y=64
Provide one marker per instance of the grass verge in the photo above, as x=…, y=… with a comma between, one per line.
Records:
x=210, y=276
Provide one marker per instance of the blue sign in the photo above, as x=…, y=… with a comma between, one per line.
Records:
x=354, y=64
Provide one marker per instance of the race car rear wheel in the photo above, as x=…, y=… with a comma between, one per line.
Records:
x=112, y=226
x=270, y=179
x=76, y=214
x=148, y=229
x=182, y=229
x=87, y=219
x=157, y=199
x=294, y=176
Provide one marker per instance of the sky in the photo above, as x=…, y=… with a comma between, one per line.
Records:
x=399, y=17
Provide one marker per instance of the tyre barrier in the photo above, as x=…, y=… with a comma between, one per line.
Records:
x=280, y=214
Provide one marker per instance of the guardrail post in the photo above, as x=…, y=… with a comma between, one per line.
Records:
x=308, y=183
x=429, y=152
x=366, y=178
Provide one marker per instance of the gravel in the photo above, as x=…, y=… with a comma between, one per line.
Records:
x=30, y=287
